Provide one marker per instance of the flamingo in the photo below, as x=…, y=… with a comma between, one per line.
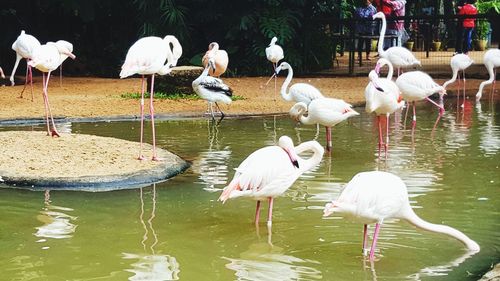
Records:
x=375, y=196
x=47, y=58
x=491, y=61
x=68, y=46
x=24, y=46
x=212, y=89
x=323, y=111
x=147, y=57
x=298, y=92
x=400, y=57
x=1, y=73
x=459, y=62
x=220, y=58
x=418, y=85
x=268, y=172
x=274, y=53
x=383, y=102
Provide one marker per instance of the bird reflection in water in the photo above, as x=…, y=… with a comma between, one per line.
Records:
x=441, y=270
x=150, y=265
x=57, y=224
x=489, y=141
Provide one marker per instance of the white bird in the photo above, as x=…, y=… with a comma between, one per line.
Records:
x=220, y=57
x=147, y=56
x=24, y=46
x=47, y=58
x=274, y=53
x=270, y=171
x=323, y=111
x=372, y=197
x=383, y=102
x=1, y=73
x=459, y=62
x=491, y=61
x=400, y=57
x=418, y=85
x=298, y=92
x=212, y=89
x=68, y=46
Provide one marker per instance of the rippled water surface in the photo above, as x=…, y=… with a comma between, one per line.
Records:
x=178, y=230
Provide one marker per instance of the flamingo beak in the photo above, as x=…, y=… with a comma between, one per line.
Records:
x=293, y=158
x=71, y=55
x=377, y=87
x=377, y=68
x=272, y=76
x=328, y=209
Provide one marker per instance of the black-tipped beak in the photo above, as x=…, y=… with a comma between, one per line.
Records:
x=295, y=163
x=379, y=89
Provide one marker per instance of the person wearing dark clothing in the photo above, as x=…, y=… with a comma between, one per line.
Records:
x=365, y=27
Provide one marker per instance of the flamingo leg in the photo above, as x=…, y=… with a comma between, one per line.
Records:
x=257, y=213
x=60, y=75
x=374, y=242
x=31, y=80
x=54, y=132
x=328, y=138
x=270, y=212
x=441, y=108
x=275, y=80
x=380, y=141
x=406, y=115
x=365, y=235
x=463, y=101
x=387, y=134
x=45, y=104
x=27, y=77
x=414, y=121
x=152, y=113
x=141, y=107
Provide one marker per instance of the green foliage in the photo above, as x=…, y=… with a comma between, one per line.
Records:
x=485, y=6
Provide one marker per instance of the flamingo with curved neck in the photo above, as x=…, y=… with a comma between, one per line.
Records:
x=375, y=196
x=491, y=61
x=458, y=62
x=298, y=92
x=220, y=57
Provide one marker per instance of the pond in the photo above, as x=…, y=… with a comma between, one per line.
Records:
x=178, y=230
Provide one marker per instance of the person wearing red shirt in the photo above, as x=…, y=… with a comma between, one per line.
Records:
x=468, y=24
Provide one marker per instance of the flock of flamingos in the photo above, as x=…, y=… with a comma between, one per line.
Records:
x=268, y=172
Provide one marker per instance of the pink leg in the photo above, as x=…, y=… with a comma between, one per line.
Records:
x=45, y=104
x=60, y=75
x=387, y=134
x=365, y=235
x=27, y=75
x=31, y=81
x=380, y=141
x=152, y=112
x=275, y=81
x=257, y=213
x=328, y=139
x=406, y=115
x=141, y=157
x=54, y=132
x=441, y=109
x=374, y=243
x=463, y=77
x=414, y=121
x=270, y=212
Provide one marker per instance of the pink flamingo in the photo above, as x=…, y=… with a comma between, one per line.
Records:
x=220, y=57
x=491, y=61
x=459, y=62
x=375, y=196
x=24, y=46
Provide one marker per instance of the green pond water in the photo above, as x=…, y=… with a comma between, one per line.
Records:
x=178, y=230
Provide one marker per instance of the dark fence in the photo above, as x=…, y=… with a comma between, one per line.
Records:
x=432, y=39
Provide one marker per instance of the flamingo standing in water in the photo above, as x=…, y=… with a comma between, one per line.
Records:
x=375, y=196
x=220, y=57
x=270, y=171
x=274, y=53
x=147, y=57
x=212, y=89
x=491, y=61
x=323, y=111
x=298, y=92
x=383, y=102
x=24, y=46
x=47, y=58
x=400, y=57
x=418, y=85
x=459, y=62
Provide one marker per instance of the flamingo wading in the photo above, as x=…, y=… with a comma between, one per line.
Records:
x=372, y=197
x=147, y=56
x=270, y=171
x=491, y=61
x=298, y=92
x=459, y=62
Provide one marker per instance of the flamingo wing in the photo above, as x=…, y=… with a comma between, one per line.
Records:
x=216, y=85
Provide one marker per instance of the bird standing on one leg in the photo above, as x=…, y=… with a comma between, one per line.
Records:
x=24, y=46
x=274, y=53
x=147, y=56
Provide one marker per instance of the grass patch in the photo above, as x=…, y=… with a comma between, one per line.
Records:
x=174, y=96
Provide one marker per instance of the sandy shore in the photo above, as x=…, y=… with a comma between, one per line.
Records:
x=98, y=97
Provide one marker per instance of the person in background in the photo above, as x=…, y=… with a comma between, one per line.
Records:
x=393, y=8
x=468, y=24
x=459, y=30
x=365, y=27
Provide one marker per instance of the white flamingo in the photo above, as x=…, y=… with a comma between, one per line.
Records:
x=491, y=61
x=270, y=171
x=24, y=46
x=399, y=57
x=298, y=92
x=383, y=102
x=47, y=58
x=459, y=62
x=418, y=85
x=323, y=111
x=274, y=53
x=372, y=197
x=220, y=57
x=68, y=46
x=212, y=89
x=147, y=56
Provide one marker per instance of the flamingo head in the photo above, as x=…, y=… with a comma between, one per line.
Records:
x=379, y=15
x=283, y=65
x=213, y=46
x=286, y=144
x=298, y=110
x=330, y=208
x=273, y=41
x=65, y=48
x=349, y=112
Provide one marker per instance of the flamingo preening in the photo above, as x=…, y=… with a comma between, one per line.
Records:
x=147, y=56
x=274, y=53
x=491, y=61
x=375, y=196
x=323, y=111
x=270, y=171
x=459, y=62
x=298, y=92
x=400, y=57
x=47, y=58
x=220, y=58
x=24, y=46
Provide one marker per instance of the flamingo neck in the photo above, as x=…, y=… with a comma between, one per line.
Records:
x=203, y=75
x=314, y=160
x=288, y=79
x=380, y=47
x=412, y=218
x=491, y=72
x=453, y=78
x=390, y=72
